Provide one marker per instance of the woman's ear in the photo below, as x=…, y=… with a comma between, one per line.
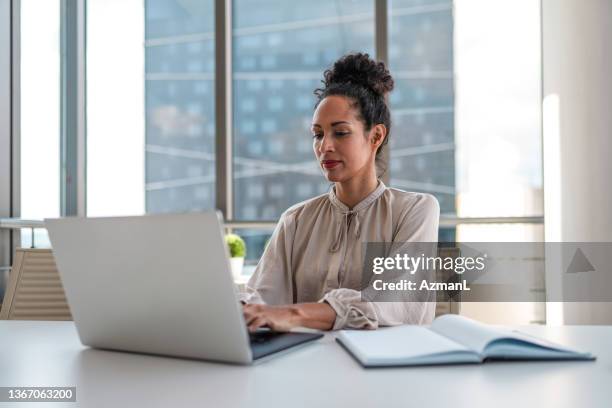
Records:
x=379, y=132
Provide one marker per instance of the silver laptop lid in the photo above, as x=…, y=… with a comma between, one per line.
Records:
x=156, y=284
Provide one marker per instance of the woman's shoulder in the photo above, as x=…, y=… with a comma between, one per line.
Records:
x=399, y=201
x=409, y=201
x=416, y=216
x=313, y=204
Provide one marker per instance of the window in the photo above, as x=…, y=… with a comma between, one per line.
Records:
x=498, y=123
x=466, y=120
x=422, y=141
x=280, y=52
x=466, y=113
x=40, y=115
x=466, y=104
x=40, y=108
x=498, y=133
x=180, y=110
x=150, y=110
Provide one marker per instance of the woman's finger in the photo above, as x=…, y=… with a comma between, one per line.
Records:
x=278, y=325
x=259, y=321
x=249, y=316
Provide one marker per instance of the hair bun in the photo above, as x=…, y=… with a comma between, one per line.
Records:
x=361, y=70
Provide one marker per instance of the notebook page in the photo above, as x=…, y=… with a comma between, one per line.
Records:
x=523, y=345
x=468, y=332
x=528, y=338
x=398, y=344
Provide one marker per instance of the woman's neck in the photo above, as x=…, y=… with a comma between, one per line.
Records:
x=353, y=191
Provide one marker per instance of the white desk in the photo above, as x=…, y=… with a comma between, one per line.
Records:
x=317, y=375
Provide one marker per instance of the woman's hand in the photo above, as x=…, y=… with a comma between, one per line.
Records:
x=277, y=318
x=318, y=316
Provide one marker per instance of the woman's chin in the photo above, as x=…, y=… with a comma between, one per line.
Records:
x=333, y=176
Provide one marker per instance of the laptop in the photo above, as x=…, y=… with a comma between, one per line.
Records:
x=158, y=284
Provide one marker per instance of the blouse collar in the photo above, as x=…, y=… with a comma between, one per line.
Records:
x=380, y=188
x=342, y=222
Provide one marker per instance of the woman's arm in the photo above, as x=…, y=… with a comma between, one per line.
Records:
x=283, y=318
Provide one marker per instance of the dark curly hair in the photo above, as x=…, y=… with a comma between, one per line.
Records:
x=366, y=83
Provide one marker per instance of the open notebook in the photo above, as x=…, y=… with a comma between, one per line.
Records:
x=450, y=339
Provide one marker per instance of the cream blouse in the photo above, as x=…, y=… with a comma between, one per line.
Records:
x=315, y=254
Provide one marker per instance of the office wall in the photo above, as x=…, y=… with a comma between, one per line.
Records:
x=577, y=92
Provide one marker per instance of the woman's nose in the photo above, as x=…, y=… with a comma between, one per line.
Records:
x=326, y=144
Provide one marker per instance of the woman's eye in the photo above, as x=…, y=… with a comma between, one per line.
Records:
x=320, y=135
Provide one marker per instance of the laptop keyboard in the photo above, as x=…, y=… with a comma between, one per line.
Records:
x=268, y=342
x=263, y=336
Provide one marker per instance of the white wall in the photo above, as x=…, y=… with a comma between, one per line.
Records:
x=577, y=92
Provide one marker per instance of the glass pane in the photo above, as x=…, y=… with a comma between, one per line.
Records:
x=40, y=108
x=256, y=241
x=115, y=103
x=34, y=238
x=150, y=117
x=422, y=139
x=466, y=105
x=498, y=120
x=280, y=52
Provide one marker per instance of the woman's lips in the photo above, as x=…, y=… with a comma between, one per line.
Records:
x=330, y=164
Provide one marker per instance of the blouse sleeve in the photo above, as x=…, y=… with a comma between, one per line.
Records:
x=271, y=281
x=419, y=224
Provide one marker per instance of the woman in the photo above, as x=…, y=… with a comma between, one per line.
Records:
x=310, y=272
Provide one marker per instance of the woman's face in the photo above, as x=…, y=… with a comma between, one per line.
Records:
x=340, y=143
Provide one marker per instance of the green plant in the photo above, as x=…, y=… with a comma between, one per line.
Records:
x=236, y=245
